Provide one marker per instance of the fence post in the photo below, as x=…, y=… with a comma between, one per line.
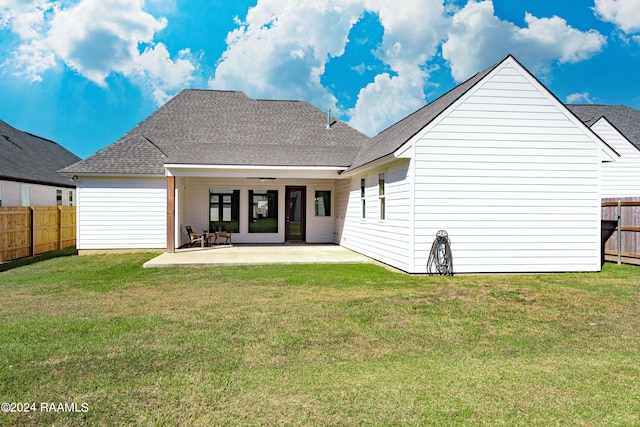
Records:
x=31, y=231
x=59, y=227
x=619, y=232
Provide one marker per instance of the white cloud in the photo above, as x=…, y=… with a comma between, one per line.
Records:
x=282, y=47
x=280, y=50
x=477, y=38
x=25, y=17
x=625, y=14
x=382, y=102
x=412, y=34
x=96, y=39
x=579, y=98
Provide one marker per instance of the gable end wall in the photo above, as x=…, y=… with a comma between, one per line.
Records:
x=621, y=177
x=512, y=178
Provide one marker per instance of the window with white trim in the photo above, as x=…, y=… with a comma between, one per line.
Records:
x=363, y=199
x=381, y=195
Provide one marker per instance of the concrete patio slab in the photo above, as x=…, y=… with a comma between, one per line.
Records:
x=259, y=254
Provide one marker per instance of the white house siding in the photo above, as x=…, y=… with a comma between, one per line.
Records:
x=341, y=198
x=620, y=178
x=512, y=177
x=193, y=207
x=11, y=194
x=388, y=240
x=122, y=213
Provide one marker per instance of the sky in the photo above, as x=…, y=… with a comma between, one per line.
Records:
x=84, y=72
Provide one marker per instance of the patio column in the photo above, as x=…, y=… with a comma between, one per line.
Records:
x=171, y=214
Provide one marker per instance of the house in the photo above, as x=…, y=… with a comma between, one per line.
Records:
x=498, y=162
x=619, y=127
x=29, y=168
x=264, y=169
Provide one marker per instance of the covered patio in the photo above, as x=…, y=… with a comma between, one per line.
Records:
x=257, y=255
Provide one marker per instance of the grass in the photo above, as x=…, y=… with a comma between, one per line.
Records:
x=317, y=345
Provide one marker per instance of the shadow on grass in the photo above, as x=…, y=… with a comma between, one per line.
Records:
x=10, y=265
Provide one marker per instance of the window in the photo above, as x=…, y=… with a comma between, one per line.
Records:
x=363, y=200
x=381, y=195
x=263, y=211
x=224, y=209
x=58, y=197
x=323, y=203
x=26, y=195
x=70, y=197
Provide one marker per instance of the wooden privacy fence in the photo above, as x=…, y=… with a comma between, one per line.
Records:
x=621, y=230
x=29, y=231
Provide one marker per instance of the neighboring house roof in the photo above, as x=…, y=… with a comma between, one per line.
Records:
x=625, y=119
x=28, y=158
x=211, y=127
x=394, y=137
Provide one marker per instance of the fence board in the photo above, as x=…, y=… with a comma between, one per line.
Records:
x=28, y=231
x=629, y=229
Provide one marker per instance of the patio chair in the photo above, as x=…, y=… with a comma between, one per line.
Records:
x=194, y=237
x=222, y=233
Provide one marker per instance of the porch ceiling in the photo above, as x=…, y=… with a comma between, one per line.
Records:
x=231, y=171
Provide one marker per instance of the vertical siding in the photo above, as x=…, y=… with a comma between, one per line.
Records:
x=620, y=178
x=388, y=240
x=513, y=178
x=122, y=213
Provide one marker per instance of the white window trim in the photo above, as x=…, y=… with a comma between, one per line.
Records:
x=363, y=199
x=382, y=196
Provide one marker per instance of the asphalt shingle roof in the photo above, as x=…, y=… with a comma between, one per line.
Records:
x=625, y=119
x=227, y=128
x=29, y=158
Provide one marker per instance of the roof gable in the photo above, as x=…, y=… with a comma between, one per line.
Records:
x=30, y=158
x=228, y=128
x=614, y=138
x=393, y=139
x=625, y=119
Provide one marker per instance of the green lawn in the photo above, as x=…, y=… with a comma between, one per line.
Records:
x=317, y=345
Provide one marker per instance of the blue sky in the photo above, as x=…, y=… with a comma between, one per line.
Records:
x=84, y=72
